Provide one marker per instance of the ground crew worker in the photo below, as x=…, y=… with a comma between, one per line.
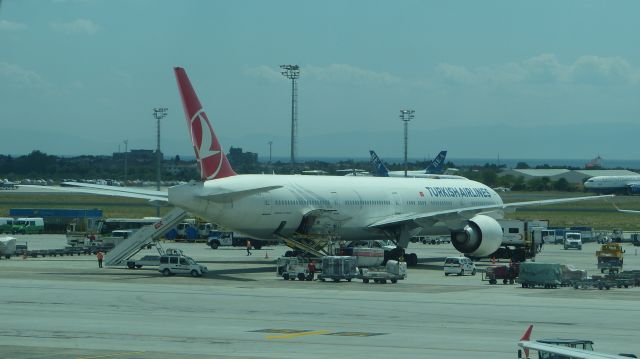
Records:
x=248, y=247
x=312, y=270
x=100, y=256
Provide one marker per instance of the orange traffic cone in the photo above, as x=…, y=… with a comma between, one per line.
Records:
x=266, y=255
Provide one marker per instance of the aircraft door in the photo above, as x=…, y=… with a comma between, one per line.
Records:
x=267, y=204
x=335, y=201
x=396, y=202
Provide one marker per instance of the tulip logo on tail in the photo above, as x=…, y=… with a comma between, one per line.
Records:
x=207, y=148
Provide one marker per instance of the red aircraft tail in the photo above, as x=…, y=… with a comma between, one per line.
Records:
x=526, y=337
x=209, y=153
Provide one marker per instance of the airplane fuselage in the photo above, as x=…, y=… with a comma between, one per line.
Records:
x=343, y=206
x=613, y=184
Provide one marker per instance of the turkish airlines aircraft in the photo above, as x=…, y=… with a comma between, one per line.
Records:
x=561, y=351
x=273, y=207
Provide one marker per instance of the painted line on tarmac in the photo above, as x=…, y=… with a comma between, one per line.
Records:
x=295, y=335
x=110, y=355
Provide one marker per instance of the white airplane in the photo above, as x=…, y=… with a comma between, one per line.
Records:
x=273, y=207
x=560, y=351
x=614, y=184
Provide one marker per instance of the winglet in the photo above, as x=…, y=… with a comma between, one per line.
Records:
x=209, y=153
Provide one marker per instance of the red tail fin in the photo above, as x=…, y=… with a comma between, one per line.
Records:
x=526, y=337
x=212, y=160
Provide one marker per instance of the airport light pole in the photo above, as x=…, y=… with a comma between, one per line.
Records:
x=292, y=72
x=158, y=113
x=126, y=149
x=406, y=116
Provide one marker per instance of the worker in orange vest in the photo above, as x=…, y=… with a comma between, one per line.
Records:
x=100, y=256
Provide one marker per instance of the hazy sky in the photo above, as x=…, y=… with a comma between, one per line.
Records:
x=541, y=79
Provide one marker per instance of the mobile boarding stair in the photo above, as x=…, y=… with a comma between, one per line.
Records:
x=143, y=237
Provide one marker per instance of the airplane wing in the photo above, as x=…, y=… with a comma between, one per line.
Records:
x=76, y=187
x=625, y=210
x=567, y=352
x=458, y=215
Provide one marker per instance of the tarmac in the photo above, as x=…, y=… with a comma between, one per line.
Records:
x=66, y=307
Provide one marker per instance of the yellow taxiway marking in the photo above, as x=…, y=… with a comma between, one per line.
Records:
x=110, y=355
x=295, y=335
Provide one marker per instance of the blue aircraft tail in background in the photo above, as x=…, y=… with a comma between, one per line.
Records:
x=437, y=165
x=379, y=169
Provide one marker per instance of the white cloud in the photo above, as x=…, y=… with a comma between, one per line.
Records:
x=263, y=72
x=11, y=26
x=343, y=73
x=27, y=78
x=80, y=26
x=546, y=68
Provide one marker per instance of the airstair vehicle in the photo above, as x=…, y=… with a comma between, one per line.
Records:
x=143, y=238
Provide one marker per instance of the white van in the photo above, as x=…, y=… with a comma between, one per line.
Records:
x=459, y=266
x=178, y=263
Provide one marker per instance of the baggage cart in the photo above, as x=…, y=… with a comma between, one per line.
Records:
x=505, y=273
x=393, y=271
x=337, y=268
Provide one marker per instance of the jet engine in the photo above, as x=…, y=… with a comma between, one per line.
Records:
x=481, y=236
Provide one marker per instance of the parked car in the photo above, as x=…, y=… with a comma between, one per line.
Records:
x=149, y=260
x=459, y=266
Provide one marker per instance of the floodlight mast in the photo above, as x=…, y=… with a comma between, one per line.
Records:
x=292, y=72
x=406, y=116
x=158, y=113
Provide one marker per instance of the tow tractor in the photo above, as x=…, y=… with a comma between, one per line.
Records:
x=610, y=257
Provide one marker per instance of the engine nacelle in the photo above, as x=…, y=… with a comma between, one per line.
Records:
x=479, y=238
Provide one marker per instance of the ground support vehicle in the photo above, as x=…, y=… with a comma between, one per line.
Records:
x=393, y=271
x=596, y=281
x=506, y=273
x=7, y=247
x=632, y=275
x=149, y=260
x=175, y=262
x=547, y=275
x=572, y=240
x=221, y=238
x=459, y=266
x=290, y=268
x=337, y=268
x=521, y=240
x=610, y=257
